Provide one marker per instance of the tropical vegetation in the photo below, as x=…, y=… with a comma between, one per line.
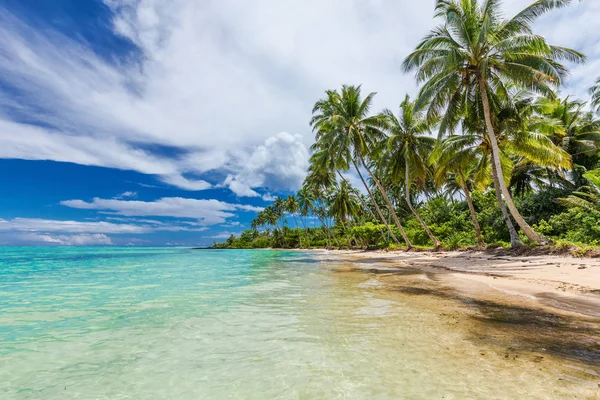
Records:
x=488, y=153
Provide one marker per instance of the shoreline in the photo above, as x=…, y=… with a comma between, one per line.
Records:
x=562, y=282
x=534, y=307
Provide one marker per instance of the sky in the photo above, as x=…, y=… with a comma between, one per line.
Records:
x=173, y=122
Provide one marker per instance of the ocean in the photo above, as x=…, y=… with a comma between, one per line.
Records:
x=157, y=323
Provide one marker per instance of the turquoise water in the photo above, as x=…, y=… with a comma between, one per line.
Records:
x=128, y=323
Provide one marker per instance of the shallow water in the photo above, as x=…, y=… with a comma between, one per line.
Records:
x=87, y=323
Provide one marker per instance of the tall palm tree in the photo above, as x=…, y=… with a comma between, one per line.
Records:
x=408, y=138
x=320, y=182
x=344, y=202
x=475, y=54
x=344, y=205
x=595, y=93
x=344, y=125
x=306, y=200
x=451, y=156
x=279, y=209
x=325, y=160
x=291, y=206
x=271, y=216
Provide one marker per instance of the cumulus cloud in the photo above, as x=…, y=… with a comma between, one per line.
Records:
x=280, y=162
x=219, y=81
x=207, y=212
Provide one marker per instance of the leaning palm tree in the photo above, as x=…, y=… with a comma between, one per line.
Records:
x=453, y=157
x=320, y=182
x=325, y=160
x=477, y=53
x=306, y=200
x=408, y=138
x=595, y=92
x=291, y=206
x=344, y=125
x=344, y=203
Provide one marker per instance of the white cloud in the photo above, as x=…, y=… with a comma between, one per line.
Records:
x=126, y=195
x=44, y=225
x=281, y=162
x=220, y=80
x=68, y=240
x=239, y=187
x=221, y=235
x=75, y=227
x=207, y=212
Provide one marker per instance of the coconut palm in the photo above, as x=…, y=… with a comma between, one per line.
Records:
x=291, y=206
x=320, y=182
x=271, y=217
x=476, y=53
x=575, y=130
x=408, y=139
x=344, y=126
x=279, y=209
x=454, y=157
x=595, y=93
x=589, y=196
x=344, y=204
x=306, y=200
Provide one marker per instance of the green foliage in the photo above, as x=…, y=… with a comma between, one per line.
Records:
x=576, y=225
x=505, y=122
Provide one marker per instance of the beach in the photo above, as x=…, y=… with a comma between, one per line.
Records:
x=562, y=283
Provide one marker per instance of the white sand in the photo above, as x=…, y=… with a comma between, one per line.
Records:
x=563, y=283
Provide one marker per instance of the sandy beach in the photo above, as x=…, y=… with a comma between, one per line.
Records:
x=562, y=283
x=540, y=308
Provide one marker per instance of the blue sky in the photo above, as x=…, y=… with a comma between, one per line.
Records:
x=172, y=122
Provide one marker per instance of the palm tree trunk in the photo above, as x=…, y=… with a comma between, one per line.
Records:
x=362, y=201
x=327, y=236
x=306, y=232
x=388, y=203
x=381, y=217
x=529, y=232
x=471, y=209
x=436, y=242
x=515, y=240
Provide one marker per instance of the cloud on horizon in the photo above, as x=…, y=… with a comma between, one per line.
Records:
x=206, y=212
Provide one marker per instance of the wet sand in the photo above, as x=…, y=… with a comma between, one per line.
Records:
x=540, y=310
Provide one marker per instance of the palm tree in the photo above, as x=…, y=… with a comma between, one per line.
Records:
x=323, y=159
x=279, y=209
x=575, y=130
x=451, y=156
x=595, y=93
x=306, y=200
x=291, y=206
x=475, y=54
x=271, y=216
x=344, y=202
x=344, y=126
x=344, y=205
x=408, y=139
x=589, y=196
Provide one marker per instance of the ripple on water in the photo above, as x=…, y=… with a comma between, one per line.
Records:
x=164, y=324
